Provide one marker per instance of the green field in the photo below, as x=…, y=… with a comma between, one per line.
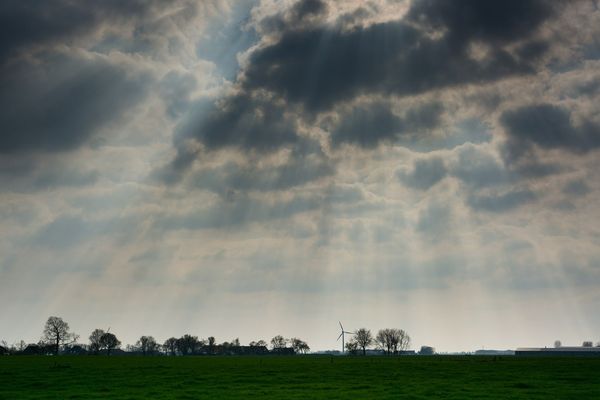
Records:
x=89, y=377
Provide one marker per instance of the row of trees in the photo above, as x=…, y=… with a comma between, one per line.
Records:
x=57, y=336
x=391, y=341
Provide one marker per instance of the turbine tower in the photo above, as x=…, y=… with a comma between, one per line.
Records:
x=342, y=335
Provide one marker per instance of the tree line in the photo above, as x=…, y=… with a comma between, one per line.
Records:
x=57, y=338
x=391, y=341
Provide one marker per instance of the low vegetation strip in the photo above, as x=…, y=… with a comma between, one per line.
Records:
x=298, y=377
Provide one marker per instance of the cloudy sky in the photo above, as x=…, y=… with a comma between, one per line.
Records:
x=253, y=168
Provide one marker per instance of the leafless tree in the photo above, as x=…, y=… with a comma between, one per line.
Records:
x=258, y=343
x=212, y=342
x=400, y=340
x=278, y=342
x=382, y=340
x=170, y=346
x=147, y=345
x=187, y=344
x=299, y=346
x=109, y=342
x=557, y=344
x=364, y=339
x=95, y=344
x=20, y=345
x=392, y=341
x=352, y=346
x=57, y=333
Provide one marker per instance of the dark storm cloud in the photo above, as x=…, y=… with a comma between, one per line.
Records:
x=58, y=101
x=27, y=23
x=547, y=126
x=246, y=122
x=501, y=202
x=321, y=66
x=487, y=21
x=299, y=15
x=308, y=67
x=367, y=126
x=249, y=123
x=55, y=95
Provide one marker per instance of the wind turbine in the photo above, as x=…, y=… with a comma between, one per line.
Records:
x=342, y=336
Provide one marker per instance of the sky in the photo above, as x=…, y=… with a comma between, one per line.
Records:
x=252, y=168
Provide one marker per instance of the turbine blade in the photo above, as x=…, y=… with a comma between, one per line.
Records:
x=341, y=325
x=338, y=339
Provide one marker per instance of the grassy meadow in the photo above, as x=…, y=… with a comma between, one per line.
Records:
x=300, y=377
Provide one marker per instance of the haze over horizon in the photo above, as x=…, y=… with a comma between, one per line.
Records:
x=252, y=168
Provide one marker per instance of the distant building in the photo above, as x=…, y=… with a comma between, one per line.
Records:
x=3, y=351
x=559, y=351
x=484, y=352
x=284, y=351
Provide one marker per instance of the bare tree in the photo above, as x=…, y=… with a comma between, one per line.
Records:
x=382, y=340
x=57, y=333
x=557, y=344
x=352, y=347
x=109, y=342
x=400, y=340
x=299, y=346
x=170, y=346
x=212, y=342
x=258, y=343
x=147, y=345
x=364, y=339
x=4, y=349
x=187, y=344
x=95, y=344
x=20, y=345
x=278, y=342
x=392, y=341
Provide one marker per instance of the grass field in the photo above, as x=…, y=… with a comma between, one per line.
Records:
x=88, y=377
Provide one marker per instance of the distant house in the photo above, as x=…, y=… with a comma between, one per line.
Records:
x=3, y=351
x=559, y=351
x=75, y=350
x=37, y=350
x=253, y=350
x=284, y=351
